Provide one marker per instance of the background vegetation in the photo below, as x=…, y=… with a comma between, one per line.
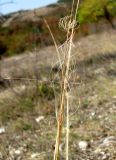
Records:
x=21, y=36
x=93, y=10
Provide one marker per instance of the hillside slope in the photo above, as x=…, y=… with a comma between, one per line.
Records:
x=93, y=102
x=24, y=30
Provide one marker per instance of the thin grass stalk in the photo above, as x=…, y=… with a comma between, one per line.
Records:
x=64, y=84
x=54, y=41
x=60, y=118
x=67, y=97
x=64, y=100
x=67, y=75
x=67, y=128
x=60, y=115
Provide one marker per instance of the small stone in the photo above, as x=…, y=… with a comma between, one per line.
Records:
x=62, y=147
x=114, y=97
x=23, y=87
x=38, y=119
x=98, y=150
x=34, y=155
x=108, y=140
x=105, y=157
x=83, y=145
x=102, y=153
x=2, y=130
x=1, y=156
x=104, y=143
x=17, y=152
x=100, y=116
x=93, y=114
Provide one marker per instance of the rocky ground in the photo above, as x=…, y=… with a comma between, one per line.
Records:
x=27, y=129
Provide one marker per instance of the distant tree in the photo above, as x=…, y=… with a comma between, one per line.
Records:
x=93, y=10
x=3, y=49
x=65, y=1
x=68, y=1
x=108, y=16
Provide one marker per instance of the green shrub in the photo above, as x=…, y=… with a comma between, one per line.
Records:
x=46, y=91
x=93, y=10
x=21, y=125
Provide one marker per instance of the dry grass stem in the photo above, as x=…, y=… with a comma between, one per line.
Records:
x=67, y=23
x=64, y=53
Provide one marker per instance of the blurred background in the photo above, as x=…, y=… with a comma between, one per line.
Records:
x=30, y=79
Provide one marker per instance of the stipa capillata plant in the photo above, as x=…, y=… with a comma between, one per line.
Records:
x=68, y=24
x=64, y=53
